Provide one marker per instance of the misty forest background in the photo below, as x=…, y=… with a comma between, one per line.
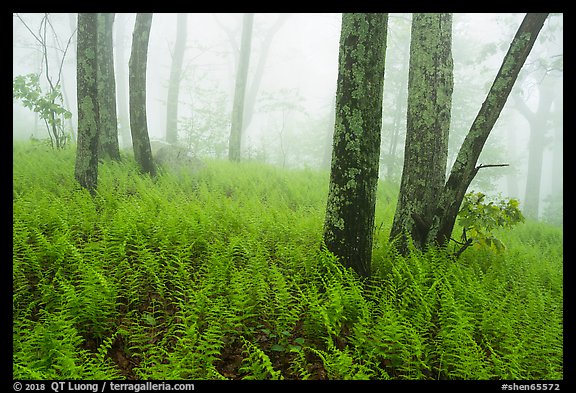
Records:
x=211, y=263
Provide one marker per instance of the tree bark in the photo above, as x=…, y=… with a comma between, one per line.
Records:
x=108, y=123
x=349, y=222
x=464, y=168
x=175, y=78
x=86, y=166
x=235, y=143
x=137, y=87
x=254, y=87
x=536, y=144
x=122, y=84
x=430, y=86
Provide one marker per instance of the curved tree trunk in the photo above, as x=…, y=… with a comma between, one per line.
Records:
x=348, y=227
x=137, y=87
x=464, y=168
x=86, y=166
x=427, y=208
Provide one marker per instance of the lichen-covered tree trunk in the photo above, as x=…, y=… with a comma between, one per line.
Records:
x=349, y=222
x=137, y=93
x=430, y=86
x=108, y=123
x=86, y=166
x=235, y=143
x=175, y=78
x=464, y=168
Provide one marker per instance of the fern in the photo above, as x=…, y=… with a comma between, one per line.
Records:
x=221, y=275
x=256, y=364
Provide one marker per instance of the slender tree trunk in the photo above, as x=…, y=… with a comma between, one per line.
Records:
x=557, y=174
x=536, y=144
x=254, y=87
x=108, y=123
x=348, y=227
x=121, y=84
x=393, y=162
x=235, y=144
x=73, y=26
x=137, y=87
x=430, y=86
x=464, y=168
x=175, y=78
x=86, y=167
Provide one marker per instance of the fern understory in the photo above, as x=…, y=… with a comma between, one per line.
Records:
x=220, y=274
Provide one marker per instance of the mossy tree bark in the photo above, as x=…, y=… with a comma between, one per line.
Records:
x=175, y=79
x=439, y=227
x=86, y=166
x=137, y=93
x=464, y=169
x=108, y=123
x=430, y=86
x=235, y=143
x=349, y=222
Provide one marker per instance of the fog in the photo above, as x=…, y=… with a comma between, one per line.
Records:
x=292, y=119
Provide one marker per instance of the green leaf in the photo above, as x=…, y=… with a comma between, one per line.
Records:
x=149, y=319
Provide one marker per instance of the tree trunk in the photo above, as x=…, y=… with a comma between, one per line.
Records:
x=175, y=78
x=464, y=168
x=121, y=84
x=327, y=150
x=349, y=222
x=252, y=91
x=86, y=167
x=73, y=29
x=536, y=144
x=137, y=87
x=108, y=123
x=557, y=174
x=234, y=148
x=430, y=86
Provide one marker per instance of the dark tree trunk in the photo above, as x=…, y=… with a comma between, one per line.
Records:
x=348, y=227
x=464, y=168
x=235, y=143
x=137, y=87
x=86, y=167
x=175, y=78
x=108, y=123
x=329, y=138
x=430, y=85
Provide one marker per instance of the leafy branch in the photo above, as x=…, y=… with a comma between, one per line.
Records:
x=479, y=219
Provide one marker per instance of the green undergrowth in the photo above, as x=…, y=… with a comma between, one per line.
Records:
x=220, y=274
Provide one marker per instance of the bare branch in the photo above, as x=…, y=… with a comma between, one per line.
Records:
x=490, y=166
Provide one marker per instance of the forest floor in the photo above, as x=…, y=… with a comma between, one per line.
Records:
x=220, y=274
